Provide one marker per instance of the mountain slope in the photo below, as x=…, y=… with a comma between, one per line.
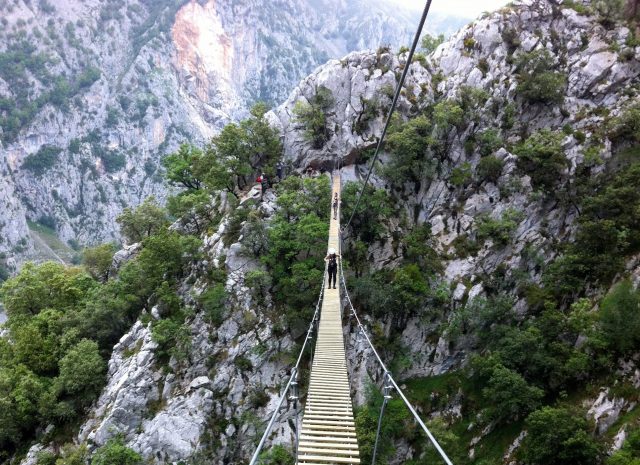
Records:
x=95, y=93
x=495, y=259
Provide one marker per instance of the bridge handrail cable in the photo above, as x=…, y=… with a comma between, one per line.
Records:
x=386, y=371
x=294, y=374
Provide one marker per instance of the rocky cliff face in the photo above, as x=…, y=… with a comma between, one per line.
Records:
x=95, y=93
x=203, y=405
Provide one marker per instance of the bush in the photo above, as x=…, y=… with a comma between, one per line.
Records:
x=214, y=300
x=43, y=160
x=312, y=116
x=370, y=111
x=629, y=454
x=88, y=77
x=626, y=126
x=48, y=221
x=502, y=230
x=97, y=260
x=430, y=43
x=537, y=83
x=620, y=318
x=179, y=166
x=82, y=372
x=509, y=395
x=409, y=146
x=112, y=160
x=542, y=158
x=489, y=141
x=277, y=455
x=114, y=452
x=461, y=175
x=172, y=337
x=608, y=231
x=147, y=219
x=557, y=435
x=490, y=169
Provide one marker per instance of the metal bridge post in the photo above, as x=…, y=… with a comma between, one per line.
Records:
x=295, y=395
x=386, y=393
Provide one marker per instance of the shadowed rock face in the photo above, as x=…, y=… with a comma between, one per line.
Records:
x=164, y=72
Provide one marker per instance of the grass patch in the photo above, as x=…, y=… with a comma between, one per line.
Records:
x=48, y=246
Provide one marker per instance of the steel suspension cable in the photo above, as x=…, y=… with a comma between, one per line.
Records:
x=292, y=378
x=393, y=107
x=388, y=375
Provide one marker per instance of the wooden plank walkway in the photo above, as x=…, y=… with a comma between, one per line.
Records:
x=328, y=434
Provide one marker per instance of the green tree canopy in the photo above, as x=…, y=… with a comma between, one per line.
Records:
x=557, y=435
x=179, y=166
x=312, y=115
x=620, y=318
x=239, y=152
x=49, y=285
x=97, y=260
x=145, y=220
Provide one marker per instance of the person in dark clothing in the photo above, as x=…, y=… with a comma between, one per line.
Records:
x=332, y=266
x=279, y=171
x=264, y=184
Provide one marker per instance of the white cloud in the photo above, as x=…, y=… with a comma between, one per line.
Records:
x=464, y=8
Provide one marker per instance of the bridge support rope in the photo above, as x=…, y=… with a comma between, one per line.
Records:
x=328, y=434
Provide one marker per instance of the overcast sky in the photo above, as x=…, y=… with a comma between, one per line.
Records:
x=464, y=8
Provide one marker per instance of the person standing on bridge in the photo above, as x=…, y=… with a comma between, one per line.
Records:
x=332, y=265
x=336, y=203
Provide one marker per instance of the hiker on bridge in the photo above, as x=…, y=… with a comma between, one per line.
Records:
x=336, y=204
x=332, y=266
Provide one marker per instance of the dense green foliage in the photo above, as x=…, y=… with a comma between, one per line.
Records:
x=620, y=318
x=626, y=127
x=62, y=325
x=296, y=243
x=229, y=162
x=629, y=454
x=499, y=230
x=419, y=147
x=541, y=157
x=398, y=424
x=97, y=260
x=375, y=207
x=144, y=221
x=409, y=146
x=538, y=83
x=430, y=43
x=114, y=452
x=490, y=168
x=312, y=116
x=42, y=161
x=556, y=435
x=277, y=455
x=608, y=231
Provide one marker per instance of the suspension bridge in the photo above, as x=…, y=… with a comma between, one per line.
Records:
x=328, y=434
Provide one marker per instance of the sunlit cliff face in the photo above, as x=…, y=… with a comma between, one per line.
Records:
x=204, y=52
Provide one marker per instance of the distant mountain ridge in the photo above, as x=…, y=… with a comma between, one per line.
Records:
x=94, y=93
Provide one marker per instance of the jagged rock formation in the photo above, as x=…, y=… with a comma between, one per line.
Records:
x=106, y=88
